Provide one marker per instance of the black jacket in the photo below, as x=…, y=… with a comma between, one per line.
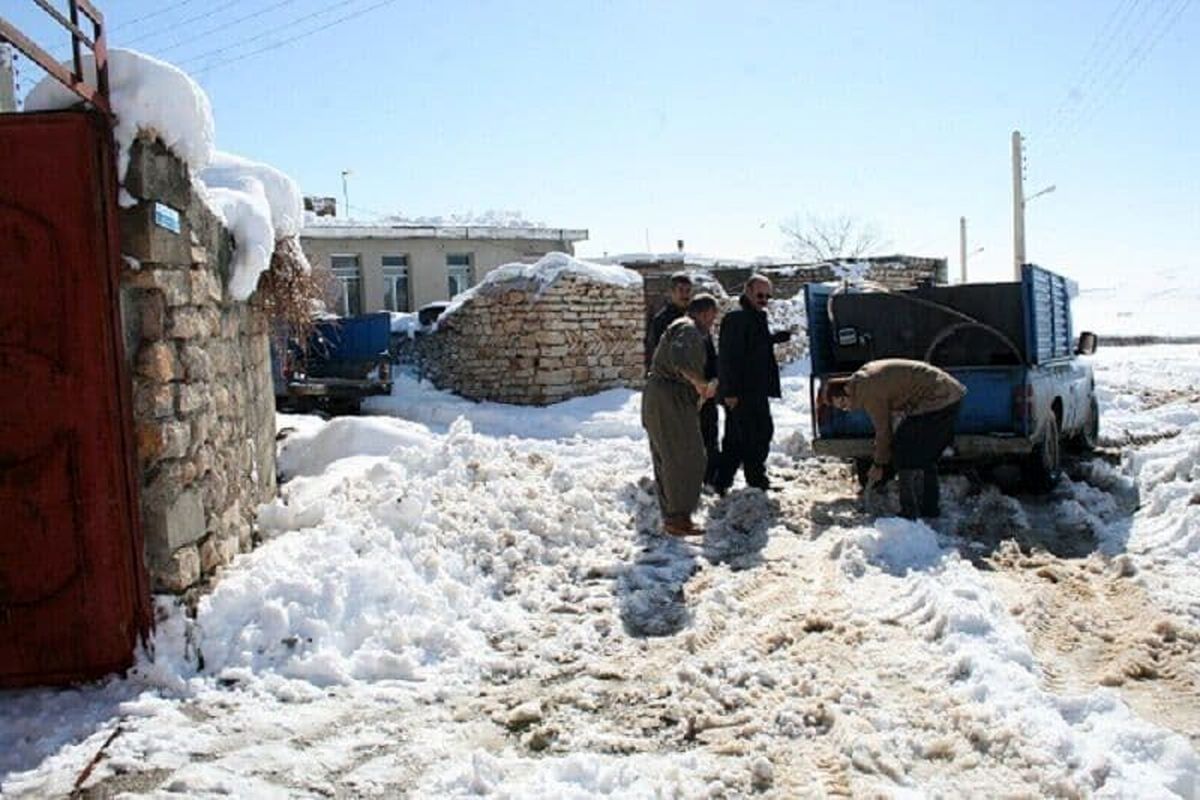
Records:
x=746, y=354
x=658, y=326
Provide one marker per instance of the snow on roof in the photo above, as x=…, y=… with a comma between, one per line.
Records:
x=321, y=228
x=687, y=259
x=283, y=195
x=543, y=274
x=148, y=96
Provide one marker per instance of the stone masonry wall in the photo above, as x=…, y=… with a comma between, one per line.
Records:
x=894, y=272
x=202, y=397
x=512, y=343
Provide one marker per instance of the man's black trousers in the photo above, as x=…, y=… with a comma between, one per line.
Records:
x=748, y=432
x=712, y=447
x=916, y=446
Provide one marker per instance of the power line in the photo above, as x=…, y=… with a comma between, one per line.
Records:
x=1126, y=27
x=181, y=23
x=320, y=13
x=297, y=37
x=193, y=38
x=1136, y=57
x=151, y=15
x=1091, y=58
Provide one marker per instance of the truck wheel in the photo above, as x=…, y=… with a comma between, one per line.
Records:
x=1043, y=467
x=1088, y=438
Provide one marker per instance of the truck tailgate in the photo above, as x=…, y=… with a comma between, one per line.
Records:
x=988, y=408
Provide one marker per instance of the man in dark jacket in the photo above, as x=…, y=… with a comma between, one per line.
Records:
x=679, y=297
x=748, y=376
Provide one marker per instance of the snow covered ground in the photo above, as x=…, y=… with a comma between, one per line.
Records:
x=465, y=599
x=1157, y=302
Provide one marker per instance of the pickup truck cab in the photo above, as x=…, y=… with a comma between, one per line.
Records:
x=1010, y=344
x=346, y=359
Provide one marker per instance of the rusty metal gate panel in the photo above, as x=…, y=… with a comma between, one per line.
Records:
x=73, y=590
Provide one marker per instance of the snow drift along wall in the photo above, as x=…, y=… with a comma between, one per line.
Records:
x=537, y=334
x=204, y=412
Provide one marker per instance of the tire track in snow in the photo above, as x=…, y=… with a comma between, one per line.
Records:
x=1091, y=625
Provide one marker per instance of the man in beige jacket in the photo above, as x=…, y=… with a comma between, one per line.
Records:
x=913, y=407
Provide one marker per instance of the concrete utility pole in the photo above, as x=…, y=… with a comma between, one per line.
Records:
x=8, y=90
x=346, y=190
x=1018, y=206
x=962, y=249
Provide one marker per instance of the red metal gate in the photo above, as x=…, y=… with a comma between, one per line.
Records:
x=73, y=591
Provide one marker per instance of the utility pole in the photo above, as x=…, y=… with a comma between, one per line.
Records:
x=8, y=91
x=1018, y=206
x=346, y=191
x=962, y=249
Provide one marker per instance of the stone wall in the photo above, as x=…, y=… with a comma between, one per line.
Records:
x=202, y=398
x=518, y=342
x=894, y=272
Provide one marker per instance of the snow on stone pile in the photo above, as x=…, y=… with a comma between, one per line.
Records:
x=257, y=203
x=541, y=275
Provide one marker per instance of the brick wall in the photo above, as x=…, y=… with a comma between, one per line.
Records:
x=204, y=415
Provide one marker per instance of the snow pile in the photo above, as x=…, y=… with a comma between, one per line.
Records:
x=541, y=275
x=148, y=96
x=406, y=323
x=995, y=687
x=395, y=565
x=854, y=271
x=574, y=777
x=610, y=414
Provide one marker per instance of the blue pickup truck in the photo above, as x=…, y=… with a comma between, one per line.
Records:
x=345, y=360
x=1010, y=344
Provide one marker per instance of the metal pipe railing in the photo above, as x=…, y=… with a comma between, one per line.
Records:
x=97, y=42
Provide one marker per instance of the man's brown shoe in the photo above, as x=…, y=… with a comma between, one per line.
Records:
x=681, y=526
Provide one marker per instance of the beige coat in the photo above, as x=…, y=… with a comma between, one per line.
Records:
x=894, y=387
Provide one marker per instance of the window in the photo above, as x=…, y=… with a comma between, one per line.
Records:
x=349, y=284
x=458, y=265
x=395, y=283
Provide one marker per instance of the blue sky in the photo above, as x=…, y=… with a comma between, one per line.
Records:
x=715, y=122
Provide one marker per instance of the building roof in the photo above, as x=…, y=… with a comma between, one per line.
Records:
x=359, y=230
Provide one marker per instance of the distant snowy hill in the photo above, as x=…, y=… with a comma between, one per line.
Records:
x=1163, y=302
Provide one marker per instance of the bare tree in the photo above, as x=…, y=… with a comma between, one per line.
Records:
x=815, y=239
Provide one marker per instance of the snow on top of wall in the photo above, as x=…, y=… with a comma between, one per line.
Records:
x=541, y=275
x=256, y=202
x=227, y=171
x=247, y=214
x=148, y=96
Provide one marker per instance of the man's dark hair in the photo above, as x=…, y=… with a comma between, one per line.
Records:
x=681, y=277
x=833, y=388
x=702, y=302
